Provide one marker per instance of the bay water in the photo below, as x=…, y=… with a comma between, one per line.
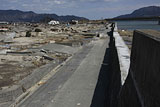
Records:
x=133, y=25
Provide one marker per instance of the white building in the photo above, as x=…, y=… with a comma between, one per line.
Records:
x=4, y=23
x=53, y=22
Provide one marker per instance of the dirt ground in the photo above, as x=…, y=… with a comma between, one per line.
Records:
x=15, y=68
x=10, y=74
x=127, y=37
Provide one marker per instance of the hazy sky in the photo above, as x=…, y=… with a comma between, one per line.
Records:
x=92, y=9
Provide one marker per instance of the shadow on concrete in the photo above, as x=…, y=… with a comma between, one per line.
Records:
x=109, y=80
x=102, y=84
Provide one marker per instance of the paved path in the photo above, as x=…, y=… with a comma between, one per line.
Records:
x=74, y=84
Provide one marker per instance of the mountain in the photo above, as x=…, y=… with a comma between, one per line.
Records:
x=150, y=11
x=29, y=16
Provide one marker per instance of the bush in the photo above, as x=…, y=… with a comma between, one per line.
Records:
x=28, y=34
x=38, y=30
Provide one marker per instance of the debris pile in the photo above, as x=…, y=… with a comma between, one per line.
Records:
x=25, y=47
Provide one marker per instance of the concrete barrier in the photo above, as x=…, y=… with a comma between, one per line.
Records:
x=142, y=85
x=134, y=84
x=123, y=55
x=115, y=66
x=114, y=76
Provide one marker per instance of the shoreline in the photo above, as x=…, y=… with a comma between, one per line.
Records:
x=127, y=36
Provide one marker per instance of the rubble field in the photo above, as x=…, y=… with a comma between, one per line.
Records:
x=26, y=47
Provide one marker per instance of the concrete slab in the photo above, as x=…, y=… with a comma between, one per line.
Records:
x=60, y=48
x=123, y=54
x=74, y=84
x=79, y=89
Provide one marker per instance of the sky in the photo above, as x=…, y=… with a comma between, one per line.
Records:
x=92, y=9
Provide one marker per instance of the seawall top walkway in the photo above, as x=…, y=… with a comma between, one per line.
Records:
x=75, y=82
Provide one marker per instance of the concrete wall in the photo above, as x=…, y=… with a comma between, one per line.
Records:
x=134, y=81
x=113, y=75
x=141, y=88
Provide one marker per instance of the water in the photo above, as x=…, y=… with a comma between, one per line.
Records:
x=133, y=25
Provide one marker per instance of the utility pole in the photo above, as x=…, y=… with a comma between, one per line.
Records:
x=159, y=20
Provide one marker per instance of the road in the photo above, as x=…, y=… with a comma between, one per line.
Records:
x=74, y=84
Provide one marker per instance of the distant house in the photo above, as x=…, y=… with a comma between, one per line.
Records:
x=53, y=22
x=4, y=23
x=74, y=22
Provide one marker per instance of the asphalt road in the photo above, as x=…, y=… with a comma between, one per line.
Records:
x=74, y=84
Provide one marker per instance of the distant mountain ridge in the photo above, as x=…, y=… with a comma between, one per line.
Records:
x=151, y=11
x=30, y=16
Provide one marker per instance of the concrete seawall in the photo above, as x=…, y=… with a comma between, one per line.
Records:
x=114, y=75
x=134, y=84
x=119, y=65
x=141, y=88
